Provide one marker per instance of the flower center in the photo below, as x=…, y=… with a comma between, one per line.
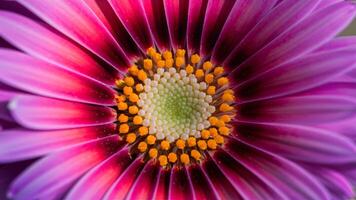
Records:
x=174, y=109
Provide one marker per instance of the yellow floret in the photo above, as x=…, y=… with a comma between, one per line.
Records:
x=225, y=107
x=211, y=90
x=151, y=139
x=133, y=97
x=180, y=144
x=142, y=146
x=202, y=144
x=184, y=158
x=165, y=145
x=207, y=65
x=195, y=154
x=195, y=58
x=127, y=90
x=218, y=71
x=172, y=157
x=129, y=81
x=191, y=142
x=141, y=75
x=131, y=138
x=163, y=160
x=133, y=110
x=123, y=118
x=143, y=130
x=189, y=69
x=122, y=106
x=124, y=128
x=137, y=120
x=199, y=73
x=212, y=144
x=223, y=81
x=153, y=153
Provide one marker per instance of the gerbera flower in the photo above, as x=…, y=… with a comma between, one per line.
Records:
x=199, y=99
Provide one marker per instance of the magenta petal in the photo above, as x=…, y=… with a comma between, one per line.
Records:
x=157, y=21
x=282, y=17
x=249, y=185
x=124, y=182
x=162, y=189
x=180, y=186
x=299, y=110
x=298, y=142
x=146, y=183
x=36, y=76
x=203, y=187
x=132, y=16
x=277, y=172
x=40, y=42
x=338, y=43
x=243, y=17
x=62, y=167
x=31, y=144
x=299, y=75
x=325, y=3
x=177, y=15
x=98, y=180
x=196, y=15
x=302, y=38
x=222, y=185
x=77, y=21
x=216, y=14
x=44, y=113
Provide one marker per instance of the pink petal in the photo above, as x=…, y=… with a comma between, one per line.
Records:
x=292, y=180
x=42, y=43
x=299, y=110
x=44, y=113
x=132, y=16
x=338, y=43
x=145, y=184
x=162, y=189
x=302, y=38
x=36, y=76
x=180, y=186
x=62, y=167
x=298, y=142
x=203, y=187
x=243, y=17
x=123, y=184
x=98, y=180
x=325, y=3
x=77, y=21
x=282, y=17
x=177, y=16
x=298, y=75
x=31, y=144
x=157, y=21
x=216, y=14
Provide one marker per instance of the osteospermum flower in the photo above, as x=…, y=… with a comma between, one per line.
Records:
x=199, y=99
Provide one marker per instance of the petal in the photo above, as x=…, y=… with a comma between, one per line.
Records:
x=98, y=180
x=22, y=71
x=44, y=113
x=283, y=16
x=31, y=144
x=196, y=15
x=162, y=189
x=180, y=186
x=325, y=3
x=62, y=167
x=177, y=15
x=107, y=16
x=216, y=14
x=203, y=188
x=338, y=43
x=223, y=187
x=132, y=15
x=157, y=21
x=245, y=182
x=243, y=17
x=123, y=184
x=77, y=21
x=42, y=43
x=300, y=39
x=299, y=75
x=299, y=110
x=298, y=142
x=146, y=183
x=277, y=172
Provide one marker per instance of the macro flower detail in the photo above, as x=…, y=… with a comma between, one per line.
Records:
x=168, y=99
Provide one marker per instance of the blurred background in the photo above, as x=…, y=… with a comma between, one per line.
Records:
x=351, y=30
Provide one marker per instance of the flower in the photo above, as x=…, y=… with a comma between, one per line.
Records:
x=177, y=100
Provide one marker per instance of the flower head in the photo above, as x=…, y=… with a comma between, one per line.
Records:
x=177, y=99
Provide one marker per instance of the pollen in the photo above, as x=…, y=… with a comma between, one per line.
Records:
x=174, y=107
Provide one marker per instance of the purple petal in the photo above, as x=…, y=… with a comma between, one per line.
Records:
x=77, y=21
x=338, y=43
x=98, y=180
x=325, y=3
x=31, y=144
x=180, y=186
x=203, y=187
x=299, y=110
x=132, y=16
x=243, y=17
x=299, y=75
x=123, y=184
x=146, y=183
x=62, y=167
x=22, y=71
x=277, y=172
x=282, y=17
x=156, y=18
x=177, y=15
x=196, y=15
x=302, y=38
x=298, y=142
x=42, y=43
x=47, y=114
